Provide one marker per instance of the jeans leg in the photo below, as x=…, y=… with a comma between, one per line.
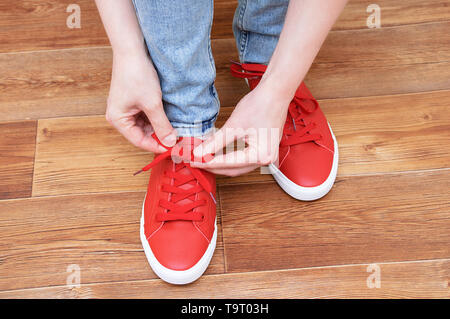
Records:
x=257, y=26
x=177, y=34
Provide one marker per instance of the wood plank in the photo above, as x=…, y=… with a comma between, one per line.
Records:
x=365, y=219
x=393, y=13
x=223, y=19
x=425, y=279
x=37, y=25
x=41, y=237
x=374, y=138
x=54, y=83
x=77, y=155
x=384, y=61
x=17, y=147
x=387, y=61
x=95, y=157
x=229, y=88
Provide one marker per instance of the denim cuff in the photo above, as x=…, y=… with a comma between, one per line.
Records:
x=195, y=129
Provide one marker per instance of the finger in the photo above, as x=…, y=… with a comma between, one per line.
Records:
x=135, y=134
x=218, y=141
x=236, y=159
x=160, y=123
x=149, y=143
x=210, y=145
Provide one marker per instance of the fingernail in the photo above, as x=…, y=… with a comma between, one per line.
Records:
x=169, y=140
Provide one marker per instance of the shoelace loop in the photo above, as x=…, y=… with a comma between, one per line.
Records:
x=301, y=105
x=196, y=178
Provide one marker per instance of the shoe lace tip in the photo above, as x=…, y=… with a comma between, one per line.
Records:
x=138, y=172
x=212, y=196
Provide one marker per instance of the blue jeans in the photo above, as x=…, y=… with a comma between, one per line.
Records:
x=177, y=34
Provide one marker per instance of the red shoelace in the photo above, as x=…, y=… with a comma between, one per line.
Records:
x=299, y=107
x=195, y=178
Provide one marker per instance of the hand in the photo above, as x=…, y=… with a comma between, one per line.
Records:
x=258, y=119
x=135, y=106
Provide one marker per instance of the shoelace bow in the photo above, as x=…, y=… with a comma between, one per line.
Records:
x=197, y=180
x=298, y=109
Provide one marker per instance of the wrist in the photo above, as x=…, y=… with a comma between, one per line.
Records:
x=279, y=89
x=130, y=49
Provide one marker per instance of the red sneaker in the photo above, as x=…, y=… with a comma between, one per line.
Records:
x=308, y=154
x=178, y=223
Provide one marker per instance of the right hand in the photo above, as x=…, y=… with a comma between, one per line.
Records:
x=135, y=105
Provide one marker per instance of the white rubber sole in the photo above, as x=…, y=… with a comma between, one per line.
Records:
x=178, y=277
x=308, y=193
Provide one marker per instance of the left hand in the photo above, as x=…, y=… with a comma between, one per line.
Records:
x=258, y=119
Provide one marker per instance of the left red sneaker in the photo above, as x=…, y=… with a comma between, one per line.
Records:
x=178, y=223
x=308, y=154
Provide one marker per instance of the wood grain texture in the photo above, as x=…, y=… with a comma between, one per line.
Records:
x=424, y=279
x=405, y=59
x=36, y=25
x=41, y=237
x=393, y=13
x=17, y=148
x=366, y=219
x=222, y=27
x=77, y=155
x=76, y=82
x=385, y=92
x=391, y=133
x=42, y=25
x=95, y=157
x=394, y=60
x=54, y=83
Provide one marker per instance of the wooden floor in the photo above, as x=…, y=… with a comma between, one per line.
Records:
x=68, y=196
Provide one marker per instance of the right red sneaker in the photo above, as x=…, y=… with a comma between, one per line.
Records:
x=308, y=153
x=178, y=224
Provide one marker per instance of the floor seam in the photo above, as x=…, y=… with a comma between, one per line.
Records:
x=225, y=266
x=245, y=272
x=34, y=157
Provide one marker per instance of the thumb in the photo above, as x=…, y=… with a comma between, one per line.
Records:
x=161, y=125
